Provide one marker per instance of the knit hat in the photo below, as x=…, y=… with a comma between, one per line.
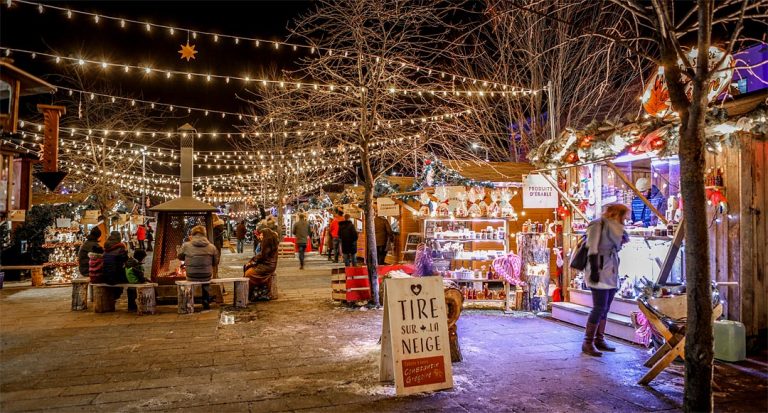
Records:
x=114, y=236
x=95, y=234
x=643, y=184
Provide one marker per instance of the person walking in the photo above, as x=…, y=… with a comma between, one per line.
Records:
x=240, y=234
x=605, y=237
x=200, y=258
x=383, y=231
x=301, y=231
x=334, y=229
x=90, y=245
x=150, y=238
x=348, y=240
x=141, y=236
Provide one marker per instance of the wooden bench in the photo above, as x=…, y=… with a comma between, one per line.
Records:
x=240, y=287
x=103, y=302
x=80, y=294
x=36, y=272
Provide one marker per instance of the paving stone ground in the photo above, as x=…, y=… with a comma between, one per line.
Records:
x=305, y=353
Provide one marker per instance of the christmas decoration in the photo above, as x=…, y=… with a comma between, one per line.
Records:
x=508, y=266
x=187, y=51
x=423, y=261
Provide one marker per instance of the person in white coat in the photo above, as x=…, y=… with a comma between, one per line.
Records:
x=605, y=237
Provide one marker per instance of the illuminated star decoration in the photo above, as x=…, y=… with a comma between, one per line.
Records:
x=187, y=51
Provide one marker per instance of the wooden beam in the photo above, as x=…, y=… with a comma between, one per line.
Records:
x=674, y=248
x=565, y=196
x=638, y=193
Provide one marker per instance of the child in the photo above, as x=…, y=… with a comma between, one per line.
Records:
x=134, y=272
x=96, y=265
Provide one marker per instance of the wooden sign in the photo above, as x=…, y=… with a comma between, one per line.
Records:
x=63, y=222
x=90, y=216
x=387, y=207
x=17, y=215
x=415, y=350
x=538, y=192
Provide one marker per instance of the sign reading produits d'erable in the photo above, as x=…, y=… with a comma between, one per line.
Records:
x=415, y=350
x=538, y=192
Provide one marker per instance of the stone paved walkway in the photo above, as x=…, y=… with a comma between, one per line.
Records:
x=305, y=353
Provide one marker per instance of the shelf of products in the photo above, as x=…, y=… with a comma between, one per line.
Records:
x=62, y=265
x=464, y=250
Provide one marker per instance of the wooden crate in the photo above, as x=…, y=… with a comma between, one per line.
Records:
x=338, y=284
x=286, y=250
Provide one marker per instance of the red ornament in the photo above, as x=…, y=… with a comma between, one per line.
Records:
x=563, y=212
x=572, y=157
x=428, y=162
x=658, y=143
x=586, y=142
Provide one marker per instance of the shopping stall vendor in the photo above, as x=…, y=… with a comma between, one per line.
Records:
x=641, y=213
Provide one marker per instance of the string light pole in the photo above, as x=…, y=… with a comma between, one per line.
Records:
x=143, y=183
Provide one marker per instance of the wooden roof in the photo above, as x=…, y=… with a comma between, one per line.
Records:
x=492, y=171
x=30, y=84
x=742, y=104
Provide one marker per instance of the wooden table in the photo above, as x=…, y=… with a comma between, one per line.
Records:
x=674, y=346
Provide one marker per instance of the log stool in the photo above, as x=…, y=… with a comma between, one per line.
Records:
x=240, y=299
x=145, y=298
x=454, y=302
x=80, y=294
x=103, y=301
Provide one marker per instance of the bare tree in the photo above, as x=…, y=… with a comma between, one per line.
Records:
x=589, y=77
x=385, y=103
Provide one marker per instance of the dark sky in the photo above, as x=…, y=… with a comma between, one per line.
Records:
x=23, y=27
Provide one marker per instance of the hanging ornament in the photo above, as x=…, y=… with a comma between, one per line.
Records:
x=572, y=157
x=585, y=142
x=187, y=51
x=563, y=212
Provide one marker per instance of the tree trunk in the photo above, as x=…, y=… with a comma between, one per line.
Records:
x=699, y=339
x=371, y=258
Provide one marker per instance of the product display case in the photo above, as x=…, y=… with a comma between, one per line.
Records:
x=463, y=250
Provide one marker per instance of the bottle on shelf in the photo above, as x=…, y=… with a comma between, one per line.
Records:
x=719, y=177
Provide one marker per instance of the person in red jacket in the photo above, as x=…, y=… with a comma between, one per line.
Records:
x=334, y=229
x=141, y=235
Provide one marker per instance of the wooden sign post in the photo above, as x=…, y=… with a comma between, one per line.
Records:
x=415, y=350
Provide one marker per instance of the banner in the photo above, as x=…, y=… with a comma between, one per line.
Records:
x=538, y=192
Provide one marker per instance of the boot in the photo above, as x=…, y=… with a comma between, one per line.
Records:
x=600, y=342
x=589, y=341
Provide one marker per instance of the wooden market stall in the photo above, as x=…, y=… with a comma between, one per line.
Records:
x=606, y=162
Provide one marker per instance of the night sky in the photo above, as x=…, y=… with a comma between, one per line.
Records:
x=24, y=27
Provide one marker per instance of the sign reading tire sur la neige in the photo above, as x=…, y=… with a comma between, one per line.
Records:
x=415, y=350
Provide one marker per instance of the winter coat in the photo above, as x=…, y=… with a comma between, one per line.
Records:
x=605, y=241
x=383, y=231
x=199, y=256
x=96, y=267
x=218, y=236
x=150, y=236
x=348, y=236
x=335, y=226
x=134, y=271
x=141, y=233
x=240, y=231
x=641, y=212
x=301, y=231
x=88, y=247
x=262, y=266
x=115, y=257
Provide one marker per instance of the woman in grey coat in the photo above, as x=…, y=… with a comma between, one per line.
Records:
x=200, y=257
x=605, y=237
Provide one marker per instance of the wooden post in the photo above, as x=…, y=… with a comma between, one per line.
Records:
x=37, y=276
x=632, y=186
x=453, y=303
x=51, y=115
x=102, y=299
x=241, y=294
x=145, y=299
x=80, y=294
x=186, y=297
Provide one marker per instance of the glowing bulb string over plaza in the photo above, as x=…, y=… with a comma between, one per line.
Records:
x=168, y=74
x=269, y=44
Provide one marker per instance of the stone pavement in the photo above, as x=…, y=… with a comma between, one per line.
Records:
x=303, y=352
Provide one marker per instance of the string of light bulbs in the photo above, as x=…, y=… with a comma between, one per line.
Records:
x=282, y=84
x=257, y=42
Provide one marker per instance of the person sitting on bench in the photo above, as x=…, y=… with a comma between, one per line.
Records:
x=200, y=257
x=134, y=272
x=115, y=257
x=260, y=270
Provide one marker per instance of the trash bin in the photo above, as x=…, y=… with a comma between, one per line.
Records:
x=730, y=341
